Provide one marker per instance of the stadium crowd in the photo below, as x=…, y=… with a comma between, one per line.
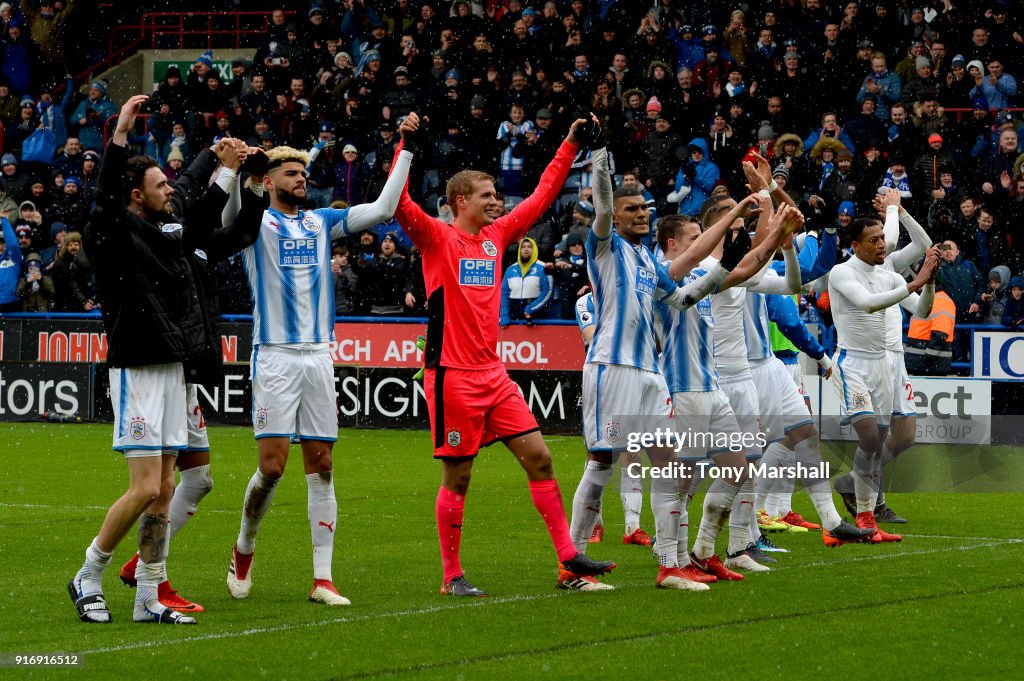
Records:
x=841, y=97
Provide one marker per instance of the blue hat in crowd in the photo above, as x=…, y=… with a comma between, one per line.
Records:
x=980, y=102
x=454, y=73
x=327, y=126
x=56, y=228
x=71, y=179
x=206, y=58
x=99, y=85
x=847, y=208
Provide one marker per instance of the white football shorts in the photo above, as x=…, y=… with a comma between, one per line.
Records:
x=293, y=393
x=149, y=409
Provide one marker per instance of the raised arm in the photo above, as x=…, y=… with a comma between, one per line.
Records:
x=709, y=238
x=421, y=228
x=366, y=215
x=785, y=222
x=515, y=224
x=602, y=227
x=760, y=178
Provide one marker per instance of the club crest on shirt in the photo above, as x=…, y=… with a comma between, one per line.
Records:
x=489, y=248
x=261, y=418
x=858, y=401
x=311, y=224
x=171, y=228
x=454, y=438
x=612, y=431
x=137, y=428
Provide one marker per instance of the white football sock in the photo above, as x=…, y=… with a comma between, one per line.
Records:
x=717, y=506
x=91, y=573
x=887, y=456
x=739, y=518
x=195, y=484
x=631, y=492
x=258, y=496
x=322, y=507
x=817, y=488
x=865, y=480
x=774, y=457
x=586, y=502
x=667, y=513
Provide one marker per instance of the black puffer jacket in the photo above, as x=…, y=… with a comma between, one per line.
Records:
x=145, y=283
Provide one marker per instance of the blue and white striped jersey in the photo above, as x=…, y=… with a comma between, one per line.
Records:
x=687, y=344
x=757, y=327
x=289, y=272
x=626, y=281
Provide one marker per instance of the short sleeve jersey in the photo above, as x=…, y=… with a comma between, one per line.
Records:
x=289, y=273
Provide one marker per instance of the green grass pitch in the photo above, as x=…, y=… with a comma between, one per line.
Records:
x=945, y=603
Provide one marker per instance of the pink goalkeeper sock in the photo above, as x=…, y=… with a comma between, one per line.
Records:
x=548, y=500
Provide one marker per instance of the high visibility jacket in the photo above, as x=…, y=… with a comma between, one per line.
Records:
x=942, y=320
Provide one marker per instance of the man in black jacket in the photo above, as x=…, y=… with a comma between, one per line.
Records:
x=141, y=236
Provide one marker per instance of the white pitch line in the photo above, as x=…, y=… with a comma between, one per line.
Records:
x=492, y=601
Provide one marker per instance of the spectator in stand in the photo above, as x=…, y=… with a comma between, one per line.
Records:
x=830, y=129
x=570, y=274
x=26, y=124
x=384, y=279
x=29, y=214
x=660, y=155
x=996, y=171
x=923, y=85
x=19, y=55
x=962, y=281
x=72, y=277
x=53, y=113
x=35, y=289
x=991, y=303
x=511, y=133
x=957, y=92
x=884, y=84
x=9, y=102
x=896, y=178
x=928, y=169
x=70, y=161
x=174, y=165
x=47, y=25
x=696, y=178
x=350, y=173
x=10, y=267
x=91, y=115
x=49, y=254
x=1013, y=311
x=988, y=245
x=998, y=87
x=346, y=282
x=71, y=208
x=13, y=182
x=25, y=235
x=320, y=184
x=526, y=288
